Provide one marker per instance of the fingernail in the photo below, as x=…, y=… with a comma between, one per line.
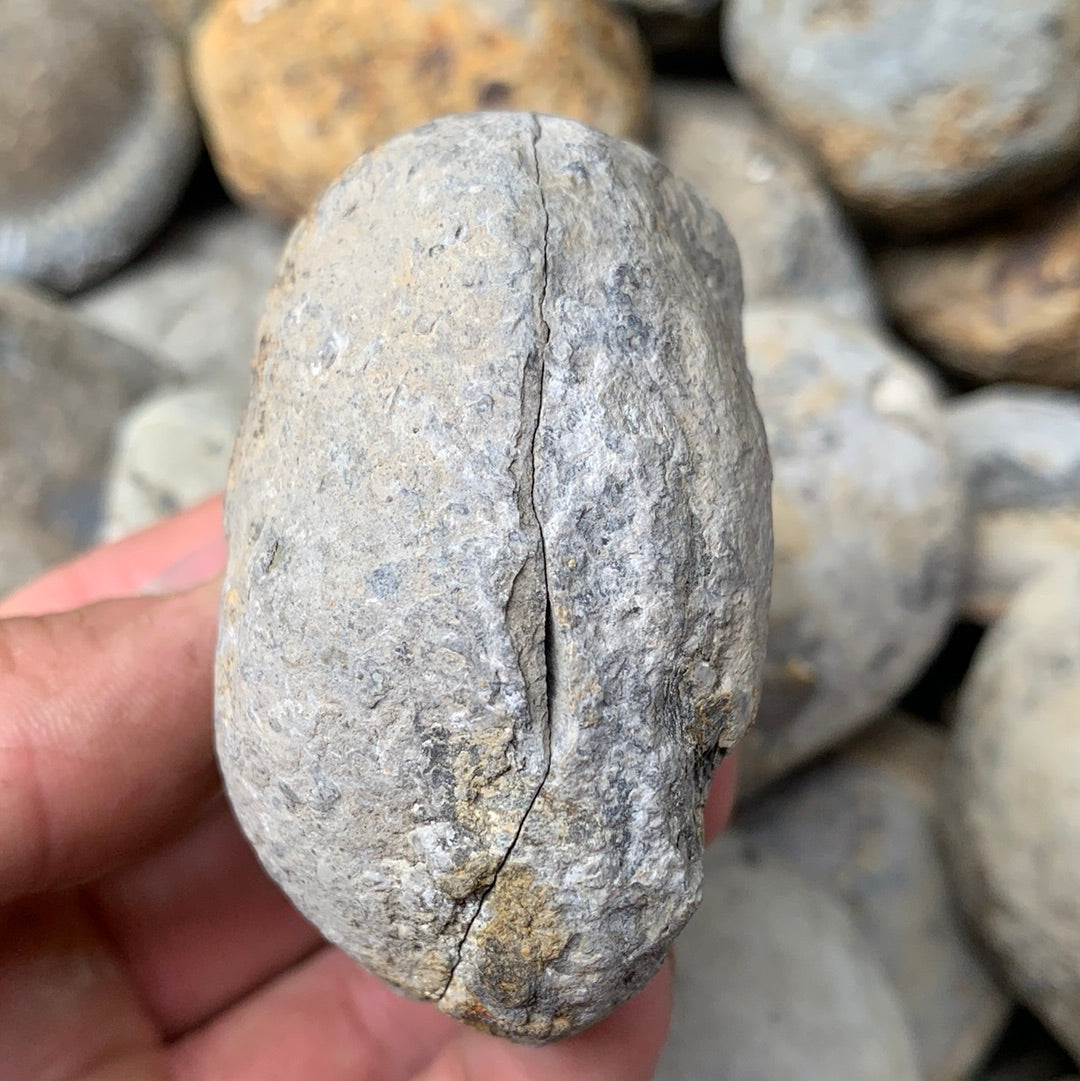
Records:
x=194, y=569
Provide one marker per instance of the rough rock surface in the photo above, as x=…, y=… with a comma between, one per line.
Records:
x=1002, y=303
x=1019, y=448
x=63, y=386
x=925, y=114
x=498, y=577
x=870, y=530
x=772, y=980
x=292, y=93
x=97, y=136
x=195, y=299
x=865, y=823
x=1015, y=820
x=170, y=452
x=793, y=241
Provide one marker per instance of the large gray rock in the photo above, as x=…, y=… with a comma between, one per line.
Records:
x=499, y=556
x=773, y=981
x=922, y=114
x=63, y=387
x=793, y=242
x=870, y=530
x=98, y=136
x=1014, y=823
x=1019, y=448
x=864, y=823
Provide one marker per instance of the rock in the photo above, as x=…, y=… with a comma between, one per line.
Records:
x=98, y=136
x=772, y=981
x=793, y=242
x=291, y=93
x=171, y=452
x=499, y=555
x=195, y=299
x=1014, y=820
x=1019, y=448
x=177, y=15
x=1002, y=303
x=905, y=105
x=864, y=823
x=870, y=531
x=63, y=387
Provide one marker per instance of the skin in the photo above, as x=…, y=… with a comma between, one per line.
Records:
x=139, y=938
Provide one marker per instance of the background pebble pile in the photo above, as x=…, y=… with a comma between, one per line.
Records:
x=900, y=896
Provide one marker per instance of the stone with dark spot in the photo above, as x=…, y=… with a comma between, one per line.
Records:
x=870, y=525
x=499, y=570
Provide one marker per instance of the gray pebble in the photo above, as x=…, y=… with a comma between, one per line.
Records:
x=870, y=530
x=793, y=240
x=499, y=554
x=1019, y=448
x=773, y=981
x=864, y=823
x=97, y=136
x=922, y=115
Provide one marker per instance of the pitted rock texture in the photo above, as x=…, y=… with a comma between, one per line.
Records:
x=97, y=132
x=865, y=823
x=292, y=92
x=1014, y=802
x=793, y=241
x=1019, y=449
x=922, y=114
x=870, y=522
x=999, y=303
x=499, y=557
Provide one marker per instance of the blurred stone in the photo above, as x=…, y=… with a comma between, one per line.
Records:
x=171, y=451
x=793, y=241
x=923, y=115
x=772, y=981
x=864, y=823
x=292, y=93
x=97, y=136
x=63, y=387
x=1019, y=448
x=870, y=530
x=1014, y=798
x=1002, y=303
x=196, y=297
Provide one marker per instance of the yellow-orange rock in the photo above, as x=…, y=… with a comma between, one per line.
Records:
x=291, y=91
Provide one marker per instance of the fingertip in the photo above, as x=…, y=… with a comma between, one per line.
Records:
x=721, y=801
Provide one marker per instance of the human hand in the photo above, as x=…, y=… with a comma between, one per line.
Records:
x=139, y=938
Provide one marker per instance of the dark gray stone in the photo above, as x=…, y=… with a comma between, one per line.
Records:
x=499, y=555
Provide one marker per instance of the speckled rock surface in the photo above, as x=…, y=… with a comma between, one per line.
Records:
x=1014, y=824
x=170, y=452
x=925, y=114
x=498, y=575
x=998, y=304
x=97, y=136
x=864, y=824
x=196, y=298
x=291, y=93
x=793, y=241
x=870, y=530
x=1019, y=448
x=772, y=980
x=63, y=386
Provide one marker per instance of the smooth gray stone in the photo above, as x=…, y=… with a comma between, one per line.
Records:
x=923, y=114
x=1014, y=802
x=864, y=824
x=63, y=388
x=793, y=240
x=1019, y=448
x=499, y=554
x=97, y=136
x=773, y=981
